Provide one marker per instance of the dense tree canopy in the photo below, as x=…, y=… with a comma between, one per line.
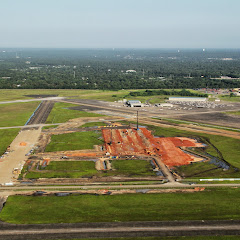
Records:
x=107, y=69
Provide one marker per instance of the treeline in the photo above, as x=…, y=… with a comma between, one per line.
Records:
x=107, y=69
x=183, y=92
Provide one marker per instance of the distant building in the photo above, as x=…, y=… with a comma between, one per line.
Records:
x=131, y=71
x=167, y=105
x=35, y=68
x=134, y=103
x=187, y=99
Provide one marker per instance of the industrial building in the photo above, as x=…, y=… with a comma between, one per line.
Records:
x=187, y=99
x=134, y=103
x=165, y=105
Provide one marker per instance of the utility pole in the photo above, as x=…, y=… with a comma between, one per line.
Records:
x=137, y=121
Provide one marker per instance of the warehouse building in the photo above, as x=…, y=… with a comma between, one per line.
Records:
x=164, y=105
x=134, y=103
x=187, y=99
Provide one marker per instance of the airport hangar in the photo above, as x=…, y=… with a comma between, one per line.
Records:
x=134, y=103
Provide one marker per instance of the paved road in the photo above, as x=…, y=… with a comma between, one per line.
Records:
x=201, y=129
x=31, y=126
x=16, y=158
x=33, y=100
x=30, y=188
x=165, y=170
x=146, y=117
x=145, y=111
x=127, y=229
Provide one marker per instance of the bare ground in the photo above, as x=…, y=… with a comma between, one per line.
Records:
x=16, y=157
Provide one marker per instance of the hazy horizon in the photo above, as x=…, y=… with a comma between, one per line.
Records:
x=134, y=24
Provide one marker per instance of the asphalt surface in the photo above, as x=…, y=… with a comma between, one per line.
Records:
x=147, y=115
x=98, y=186
x=17, y=155
x=33, y=100
x=31, y=126
x=94, y=105
x=124, y=229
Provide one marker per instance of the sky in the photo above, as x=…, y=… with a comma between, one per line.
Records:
x=120, y=23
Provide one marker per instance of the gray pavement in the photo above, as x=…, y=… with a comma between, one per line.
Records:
x=31, y=126
x=33, y=100
x=17, y=155
x=124, y=229
x=30, y=188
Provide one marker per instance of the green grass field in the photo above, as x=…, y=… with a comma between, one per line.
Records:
x=233, y=113
x=205, y=170
x=49, y=127
x=211, y=204
x=60, y=113
x=230, y=99
x=16, y=114
x=105, y=95
x=202, y=124
x=78, y=169
x=71, y=169
x=15, y=94
x=74, y=141
x=132, y=168
x=194, y=168
x=6, y=137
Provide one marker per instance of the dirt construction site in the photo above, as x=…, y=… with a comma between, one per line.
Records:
x=119, y=142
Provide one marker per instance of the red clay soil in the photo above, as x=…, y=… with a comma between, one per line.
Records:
x=129, y=142
x=138, y=141
x=172, y=155
x=184, y=142
x=125, y=145
x=107, y=139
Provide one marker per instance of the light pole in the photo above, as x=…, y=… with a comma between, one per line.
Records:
x=137, y=120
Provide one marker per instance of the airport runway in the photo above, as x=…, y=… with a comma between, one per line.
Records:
x=146, y=117
x=124, y=229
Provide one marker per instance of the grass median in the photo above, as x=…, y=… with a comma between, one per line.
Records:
x=79, y=169
x=132, y=168
x=74, y=141
x=71, y=169
x=6, y=137
x=211, y=204
x=16, y=114
x=61, y=113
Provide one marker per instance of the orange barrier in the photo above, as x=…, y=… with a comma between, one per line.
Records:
x=23, y=144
